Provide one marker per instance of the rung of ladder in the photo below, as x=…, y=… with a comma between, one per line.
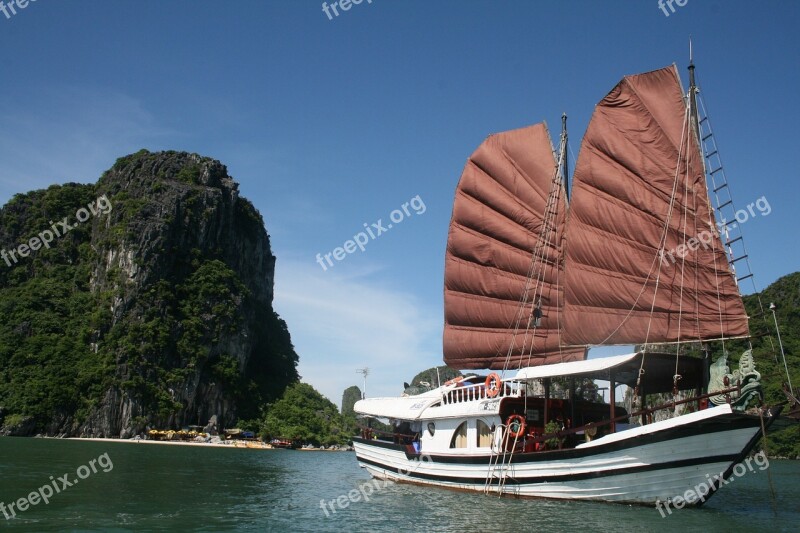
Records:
x=720, y=187
x=728, y=223
x=739, y=238
x=712, y=153
x=740, y=258
x=707, y=136
x=704, y=119
x=715, y=171
x=744, y=277
x=726, y=204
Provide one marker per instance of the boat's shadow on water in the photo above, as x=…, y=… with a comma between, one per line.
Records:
x=743, y=507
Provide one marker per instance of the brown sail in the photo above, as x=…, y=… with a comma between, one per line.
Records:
x=644, y=259
x=498, y=216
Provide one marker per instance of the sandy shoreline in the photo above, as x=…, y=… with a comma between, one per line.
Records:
x=237, y=444
x=242, y=445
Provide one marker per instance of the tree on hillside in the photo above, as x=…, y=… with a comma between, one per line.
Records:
x=785, y=294
x=349, y=398
x=305, y=415
x=430, y=376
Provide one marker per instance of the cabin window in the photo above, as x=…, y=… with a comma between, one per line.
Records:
x=484, y=434
x=460, y=437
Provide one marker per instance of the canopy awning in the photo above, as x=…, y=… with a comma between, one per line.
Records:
x=402, y=408
x=659, y=369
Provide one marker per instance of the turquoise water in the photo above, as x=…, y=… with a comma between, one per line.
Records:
x=173, y=488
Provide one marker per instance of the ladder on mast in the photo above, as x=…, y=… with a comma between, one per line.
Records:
x=725, y=212
x=727, y=223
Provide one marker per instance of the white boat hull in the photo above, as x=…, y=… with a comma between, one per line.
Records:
x=656, y=462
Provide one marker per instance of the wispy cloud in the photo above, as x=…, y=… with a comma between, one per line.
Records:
x=339, y=324
x=69, y=134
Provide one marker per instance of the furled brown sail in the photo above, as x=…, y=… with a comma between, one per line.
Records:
x=638, y=149
x=497, y=219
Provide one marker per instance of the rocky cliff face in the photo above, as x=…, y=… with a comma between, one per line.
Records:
x=175, y=323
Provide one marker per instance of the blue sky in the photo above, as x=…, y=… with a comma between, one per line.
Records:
x=331, y=124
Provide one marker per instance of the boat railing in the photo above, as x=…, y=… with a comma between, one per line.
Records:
x=473, y=393
x=613, y=421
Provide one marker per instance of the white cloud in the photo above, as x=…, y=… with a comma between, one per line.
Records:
x=340, y=324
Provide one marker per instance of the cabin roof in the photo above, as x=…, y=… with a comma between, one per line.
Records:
x=659, y=369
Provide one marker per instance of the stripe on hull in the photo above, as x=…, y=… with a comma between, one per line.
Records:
x=641, y=469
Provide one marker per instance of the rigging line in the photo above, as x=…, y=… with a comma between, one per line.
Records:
x=663, y=242
x=701, y=102
x=529, y=277
x=665, y=233
x=696, y=269
x=660, y=251
x=522, y=302
x=540, y=274
x=558, y=188
x=520, y=313
x=537, y=257
x=683, y=263
x=571, y=155
x=559, y=305
x=769, y=475
x=712, y=225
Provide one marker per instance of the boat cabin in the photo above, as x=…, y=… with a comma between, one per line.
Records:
x=551, y=407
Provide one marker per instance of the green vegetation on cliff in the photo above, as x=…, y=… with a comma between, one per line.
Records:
x=156, y=312
x=303, y=414
x=785, y=294
x=349, y=398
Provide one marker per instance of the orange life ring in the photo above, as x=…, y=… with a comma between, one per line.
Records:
x=519, y=422
x=458, y=379
x=493, y=384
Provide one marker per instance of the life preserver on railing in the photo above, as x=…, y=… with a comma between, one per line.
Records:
x=515, y=425
x=493, y=384
x=458, y=379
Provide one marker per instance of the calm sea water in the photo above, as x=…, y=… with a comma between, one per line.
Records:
x=169, y=488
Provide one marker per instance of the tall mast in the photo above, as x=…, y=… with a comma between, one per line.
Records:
x=693, y=97
x=564, y=156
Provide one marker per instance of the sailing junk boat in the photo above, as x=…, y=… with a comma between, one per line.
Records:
x=532, y=278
